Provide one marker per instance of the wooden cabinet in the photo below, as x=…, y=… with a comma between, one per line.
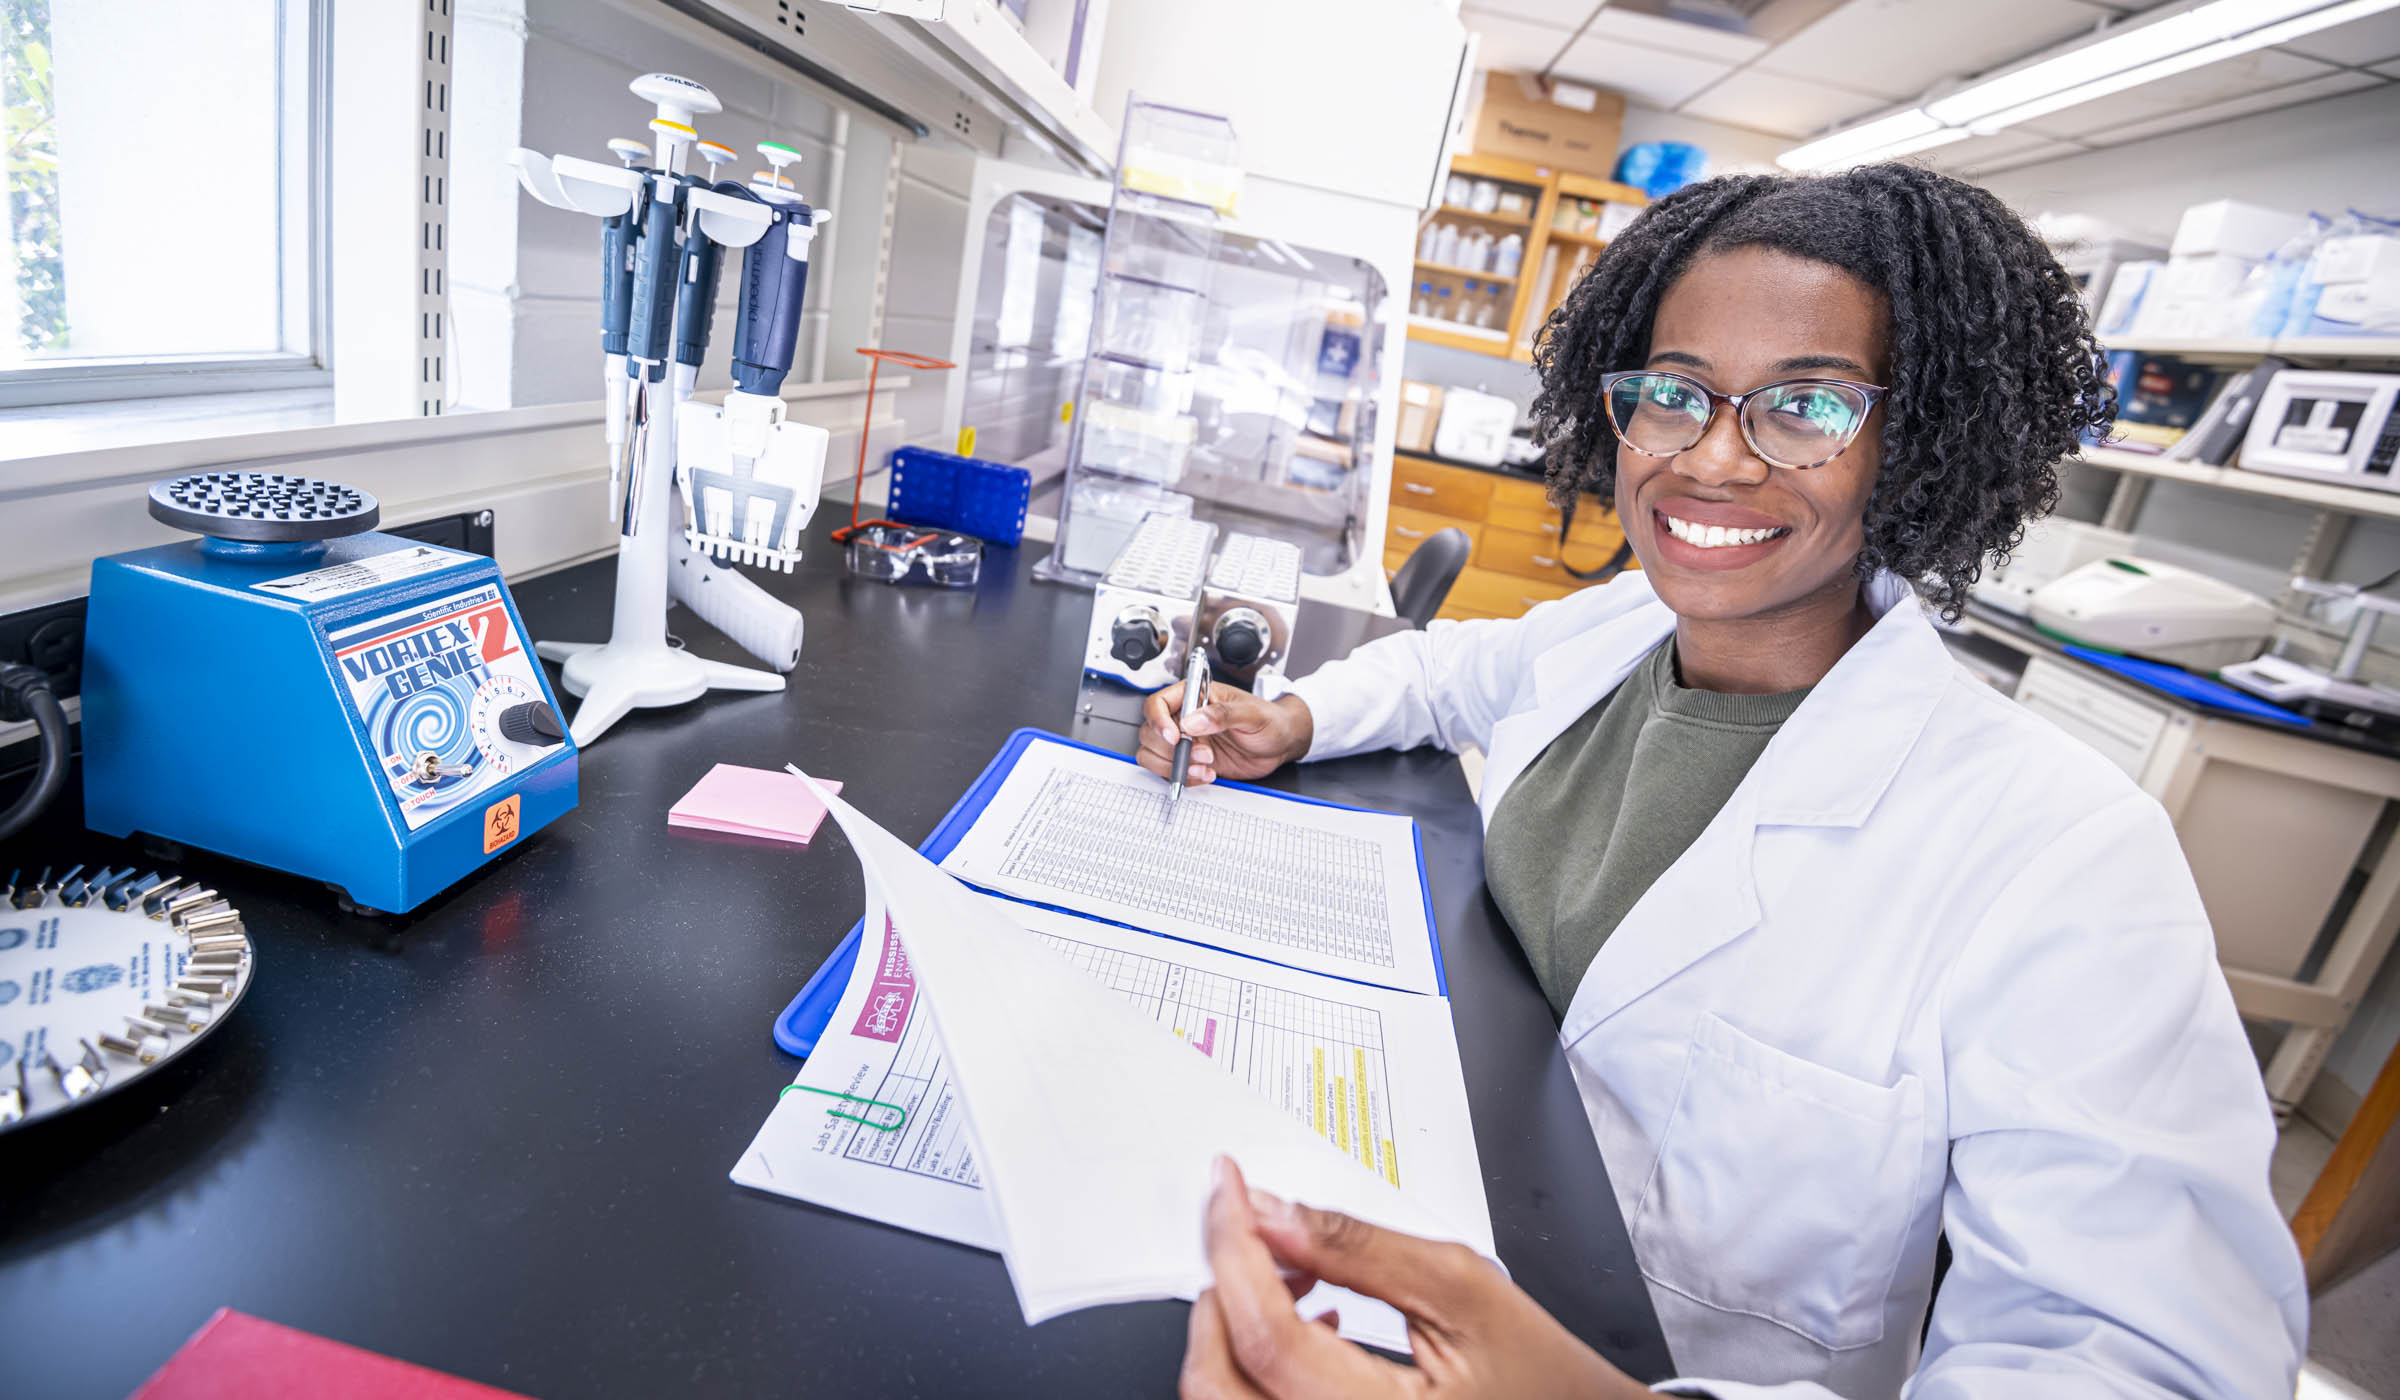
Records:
x=1520, y=548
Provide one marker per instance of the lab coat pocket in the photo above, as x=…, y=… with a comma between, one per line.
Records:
x=1783, y=1189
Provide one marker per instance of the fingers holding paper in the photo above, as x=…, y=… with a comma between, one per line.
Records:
x=1245, y=1340
x=1473, y=1332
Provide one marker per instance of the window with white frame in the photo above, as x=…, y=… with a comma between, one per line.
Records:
x=161, y=232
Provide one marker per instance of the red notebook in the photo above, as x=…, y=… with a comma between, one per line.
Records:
x=235, y=1356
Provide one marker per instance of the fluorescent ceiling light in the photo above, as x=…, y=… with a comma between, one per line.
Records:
x=2205, y=34
x=2201, y=57
x=2193, y=29
x=1859, y=142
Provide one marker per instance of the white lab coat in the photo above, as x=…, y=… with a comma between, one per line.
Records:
x=1934, y=967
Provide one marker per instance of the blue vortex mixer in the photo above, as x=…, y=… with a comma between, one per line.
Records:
x=297, y=691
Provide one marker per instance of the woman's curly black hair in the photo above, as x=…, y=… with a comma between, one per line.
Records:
x=1994, y=372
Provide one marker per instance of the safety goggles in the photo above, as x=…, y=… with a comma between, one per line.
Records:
x=1793, y=423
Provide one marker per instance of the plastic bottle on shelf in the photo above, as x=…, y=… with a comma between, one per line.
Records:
x=1443, y=309
x=1423, y=305
x=1445, y=246
x=1487, y=306
x=1427, y=237
x=1509, y=256
x=1470, y=297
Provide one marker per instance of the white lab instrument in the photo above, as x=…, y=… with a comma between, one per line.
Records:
x=2145, y=607
x=2327, y=425
x=1145, y=609
x=1249, y=607
x=1474, y=427
x=2052, y=548
x=1786, y=1131
x=748, y=479
x=2289, y=682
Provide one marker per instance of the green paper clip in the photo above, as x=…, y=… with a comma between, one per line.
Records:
x=891, y=1127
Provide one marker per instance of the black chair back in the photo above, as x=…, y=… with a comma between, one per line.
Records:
x=1423, y=582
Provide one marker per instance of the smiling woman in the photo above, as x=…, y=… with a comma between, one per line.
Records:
x=1993, y=374
x=1850, y=954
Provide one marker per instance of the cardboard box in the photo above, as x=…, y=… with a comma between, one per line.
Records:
x=1517, y=120
x=1420, y=411
x=2230, y=227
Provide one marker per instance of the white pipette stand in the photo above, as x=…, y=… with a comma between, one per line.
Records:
x=636, y=668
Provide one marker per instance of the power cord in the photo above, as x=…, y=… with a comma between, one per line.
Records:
x=25, y=695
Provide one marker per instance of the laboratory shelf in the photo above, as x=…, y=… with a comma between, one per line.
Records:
x=1446, y=270
x=2308, y=347
x=1142, y=363
x=1583, y=240
x=1164, y=286
x=1459, y=211
x=1458, y=337
x=1593, y=187
x=2324, y=495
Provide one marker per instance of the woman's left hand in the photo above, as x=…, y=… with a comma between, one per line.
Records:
x=1473, y=1332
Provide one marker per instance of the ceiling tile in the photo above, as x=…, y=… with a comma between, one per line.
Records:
x=1514, y=45
x=1899, y=48
x=1785, y=106
x=2332, y=84
x=2361, y=41
x=2238, y=76
x=1654, y=76
x=1652, y=31
x=2024, y=157
x=1984, y=150
x=1558, y=14
x=1998, y=159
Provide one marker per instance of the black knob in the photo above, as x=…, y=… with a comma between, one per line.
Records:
x=533, y=723
x=1241, y=641
x=1136, y=639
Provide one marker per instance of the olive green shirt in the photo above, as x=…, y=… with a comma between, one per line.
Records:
x=1611, y=803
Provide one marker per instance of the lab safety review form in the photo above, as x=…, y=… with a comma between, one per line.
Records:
x=1054, y=1087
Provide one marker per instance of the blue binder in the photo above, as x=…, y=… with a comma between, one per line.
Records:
x=799, y=1025
x=2201, y=690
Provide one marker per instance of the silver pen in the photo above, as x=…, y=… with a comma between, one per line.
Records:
x=1195, y=694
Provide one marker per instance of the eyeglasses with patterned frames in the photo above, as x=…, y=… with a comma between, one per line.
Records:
x=1793, y=423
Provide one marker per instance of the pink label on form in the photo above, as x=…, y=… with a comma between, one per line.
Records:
x=885, y=1015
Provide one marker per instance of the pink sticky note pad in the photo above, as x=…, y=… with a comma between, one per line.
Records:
x=752, y=802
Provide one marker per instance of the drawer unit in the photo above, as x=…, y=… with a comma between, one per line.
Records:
x=1525, y=505
x=1454, y=491
x=1517, y=552
x=1517, y=555
x=1506, y=595
x=1406, y=529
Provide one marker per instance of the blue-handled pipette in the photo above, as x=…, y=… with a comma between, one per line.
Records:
x=743, y=505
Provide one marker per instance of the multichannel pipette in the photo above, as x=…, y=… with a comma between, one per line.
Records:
x=749, y=485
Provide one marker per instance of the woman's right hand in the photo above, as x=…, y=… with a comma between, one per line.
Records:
x=1235, y=734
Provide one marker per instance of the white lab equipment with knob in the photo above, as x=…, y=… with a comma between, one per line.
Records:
x=2143, y=607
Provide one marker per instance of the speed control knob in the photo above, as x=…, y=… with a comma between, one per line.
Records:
x=1241, y=638
x=534, y=724
x=1137, y=637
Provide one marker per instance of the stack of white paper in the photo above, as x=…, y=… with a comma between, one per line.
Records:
x=1084, y=1114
